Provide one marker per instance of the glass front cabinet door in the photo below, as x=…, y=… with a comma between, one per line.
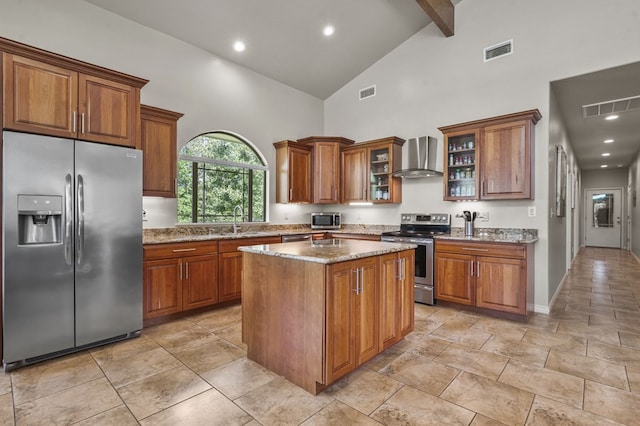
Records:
x=461, y=177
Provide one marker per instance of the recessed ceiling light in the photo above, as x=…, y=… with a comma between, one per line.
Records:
x=619, y=165
x=608, y=141
x=604, y=166
x=328, y=30
x=611, y=117
x=605, y=154
x=239, y=46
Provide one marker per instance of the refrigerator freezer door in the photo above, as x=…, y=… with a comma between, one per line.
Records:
x=38, y=299
x=108, y=241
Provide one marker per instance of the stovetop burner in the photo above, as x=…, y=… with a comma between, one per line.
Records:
x=422, y=225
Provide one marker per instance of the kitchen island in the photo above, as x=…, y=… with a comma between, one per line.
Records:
x=314, y=311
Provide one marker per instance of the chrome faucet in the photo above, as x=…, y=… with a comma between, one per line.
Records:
x=235, y=217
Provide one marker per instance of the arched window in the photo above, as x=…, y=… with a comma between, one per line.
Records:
x=217, y=172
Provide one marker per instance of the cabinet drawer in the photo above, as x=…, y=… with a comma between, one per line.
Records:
x=515, y=251
x=172, y=250
x=227, y=246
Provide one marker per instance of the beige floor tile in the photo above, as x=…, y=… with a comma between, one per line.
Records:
x=69, y=406
x=543, y=322
x=280, y=402
x=474, y=361
x=592, y=333
x=458, y=332
x=139, y=366
x=561, y=387
x=6, y=409
x=547, y=412
x=207, y=408
x=502, y=328
x=589, y=368
x=421, y=373
x=182, y=340
x=233, y=334
x=480, y=420
x=427, y=325
x=5, y=382
x=364, y=389
x=557, y=341
x=125, y=349
x=119, y=416
x=630, y=340
x=633, y=375
x=239, y=377
x=616, y=354
x=380, y=361
x=52, y=376
x=155, y=393
x=338, y=413
x=423, y=344
x=210, y=355
x=521, y=351
x=501, y=402
x=588, y=309
x=410, y=406
x=219, y=318
x=620, y=406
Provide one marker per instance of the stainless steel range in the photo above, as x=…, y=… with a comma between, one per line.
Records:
x=419, y=229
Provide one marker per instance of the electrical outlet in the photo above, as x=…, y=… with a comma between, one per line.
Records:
x=531, y=212
x=286, y=216
x=484, y=217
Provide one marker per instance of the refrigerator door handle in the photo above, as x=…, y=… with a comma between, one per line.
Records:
x=80, y=220
x=68, y=224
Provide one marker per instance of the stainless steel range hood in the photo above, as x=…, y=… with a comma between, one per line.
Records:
x=422, y=158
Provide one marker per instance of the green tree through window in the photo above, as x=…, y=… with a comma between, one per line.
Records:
x=216, y=172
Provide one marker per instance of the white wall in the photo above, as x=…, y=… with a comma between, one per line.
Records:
x=212, y=93
x=432, y=81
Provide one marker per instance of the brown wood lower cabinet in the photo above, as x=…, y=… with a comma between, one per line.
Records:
x=179, y=276
x=230, y=264
x=496, y=277
x=330, y=318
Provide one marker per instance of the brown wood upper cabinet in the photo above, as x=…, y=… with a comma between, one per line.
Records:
x=293, y=172
x=53, y=95
x=325, y=156
x=491, y=159
x=158, y=140
x=367, y=169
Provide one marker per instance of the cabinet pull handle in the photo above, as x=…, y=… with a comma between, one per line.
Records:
x=362, y=280
x=472, y=263
x=75, y=119
x=290, y=194
x=357, y=271
x=478, y=270
x=187, y=249
x=181, y=270
x=186, y=268
x=82, y=122
x=474, y=249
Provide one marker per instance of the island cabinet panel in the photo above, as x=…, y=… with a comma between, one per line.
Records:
x=329, y=317
x=494, y=277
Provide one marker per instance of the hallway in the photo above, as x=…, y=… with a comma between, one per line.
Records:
x=578, y=365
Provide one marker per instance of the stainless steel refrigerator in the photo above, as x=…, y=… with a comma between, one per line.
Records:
x=72, y=246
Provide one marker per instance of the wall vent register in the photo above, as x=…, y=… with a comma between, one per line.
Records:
x=498, y=50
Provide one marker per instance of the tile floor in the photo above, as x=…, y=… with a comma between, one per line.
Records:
x=578, y=365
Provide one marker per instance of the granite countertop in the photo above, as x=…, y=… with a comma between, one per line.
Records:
x=185, y=234
x=327, y=251
x=494, y=235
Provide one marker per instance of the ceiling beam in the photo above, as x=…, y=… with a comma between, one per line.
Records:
x=440, y=12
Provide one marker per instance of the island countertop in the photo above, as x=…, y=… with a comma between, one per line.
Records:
x=327, y=251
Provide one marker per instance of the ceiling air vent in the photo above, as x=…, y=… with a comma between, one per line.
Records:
x=608, y=107
x=367, y=92
x=498, y=50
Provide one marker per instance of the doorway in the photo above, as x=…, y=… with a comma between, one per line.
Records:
x=603, y=224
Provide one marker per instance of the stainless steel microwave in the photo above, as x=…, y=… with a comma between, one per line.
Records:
x=326, y=220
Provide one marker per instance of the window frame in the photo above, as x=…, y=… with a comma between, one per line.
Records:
x=224, y=163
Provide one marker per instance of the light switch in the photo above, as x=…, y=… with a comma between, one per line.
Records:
x=532, y=212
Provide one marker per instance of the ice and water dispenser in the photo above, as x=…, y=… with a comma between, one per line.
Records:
x=39, y=219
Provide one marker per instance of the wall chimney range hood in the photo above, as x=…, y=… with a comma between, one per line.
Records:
x=422, y=158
